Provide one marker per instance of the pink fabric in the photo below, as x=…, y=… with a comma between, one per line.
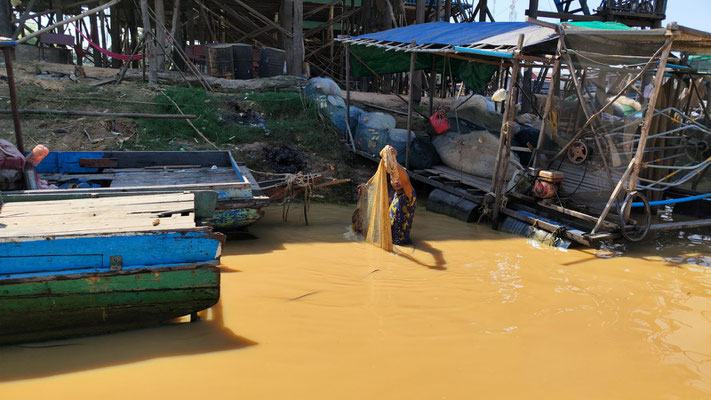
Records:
x=111, y=54
x=9, y=151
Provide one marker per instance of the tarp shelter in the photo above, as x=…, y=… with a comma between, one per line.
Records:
x=388, y=51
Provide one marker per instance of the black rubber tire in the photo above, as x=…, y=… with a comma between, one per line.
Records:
x=647, y=212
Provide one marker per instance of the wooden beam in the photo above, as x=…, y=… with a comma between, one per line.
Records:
x=68, y=20
x=23, y=19
x=101, y=114
x=262, y=18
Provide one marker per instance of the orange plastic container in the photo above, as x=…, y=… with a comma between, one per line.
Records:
x=37, y=155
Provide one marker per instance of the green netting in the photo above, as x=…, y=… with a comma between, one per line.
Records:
x=601, y=25
x=474, y=75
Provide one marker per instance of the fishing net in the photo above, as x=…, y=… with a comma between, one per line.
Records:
x=374, y=202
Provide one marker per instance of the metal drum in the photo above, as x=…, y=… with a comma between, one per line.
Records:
x=242, y=57
x=220, y=63
x=271, y=62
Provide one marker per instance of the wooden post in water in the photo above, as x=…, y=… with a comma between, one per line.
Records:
x=658, y=78
x=502, y=157
x=413, y=54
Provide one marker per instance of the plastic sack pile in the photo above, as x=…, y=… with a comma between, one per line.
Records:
x=371, y=130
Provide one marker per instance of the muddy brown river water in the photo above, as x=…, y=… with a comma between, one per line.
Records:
x=307, y=313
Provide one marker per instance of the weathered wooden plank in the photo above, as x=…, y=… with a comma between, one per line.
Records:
x=96, y=210
x=97, y=228
x=98, y=202
x=141, y=159
x=58, y=177
x=175, y=177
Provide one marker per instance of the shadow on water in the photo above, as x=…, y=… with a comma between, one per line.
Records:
x=438, y=256
x=44, y=359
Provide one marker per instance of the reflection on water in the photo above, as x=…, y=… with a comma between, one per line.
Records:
x=35, y=360
x=463, y=313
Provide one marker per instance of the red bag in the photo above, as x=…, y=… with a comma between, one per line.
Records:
x=439, y=122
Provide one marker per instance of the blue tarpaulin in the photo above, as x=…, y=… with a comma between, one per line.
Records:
x=387, y=51
x=444, y=33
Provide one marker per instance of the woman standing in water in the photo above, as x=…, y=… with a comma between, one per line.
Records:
x=402, y=206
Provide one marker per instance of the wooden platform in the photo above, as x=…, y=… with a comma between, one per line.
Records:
x=170, y=177
x=155, y=212
x=142, y=177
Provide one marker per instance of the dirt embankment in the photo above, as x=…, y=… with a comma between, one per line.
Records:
x=49, y=86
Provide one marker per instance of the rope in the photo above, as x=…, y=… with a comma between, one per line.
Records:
x=295, y=182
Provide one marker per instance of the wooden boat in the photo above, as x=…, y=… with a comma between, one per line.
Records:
x=88, y=266
x=118, y=173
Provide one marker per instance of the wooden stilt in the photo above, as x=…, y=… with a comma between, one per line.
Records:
x=502, y=157
x=348, y=95
x=410, y=99
x=553, y=89
x=149, y=40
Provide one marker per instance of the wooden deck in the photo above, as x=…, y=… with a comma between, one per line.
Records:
x=143, y=177
x=155, y=212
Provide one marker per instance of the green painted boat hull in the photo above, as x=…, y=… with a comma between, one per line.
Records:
x=34, y=309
